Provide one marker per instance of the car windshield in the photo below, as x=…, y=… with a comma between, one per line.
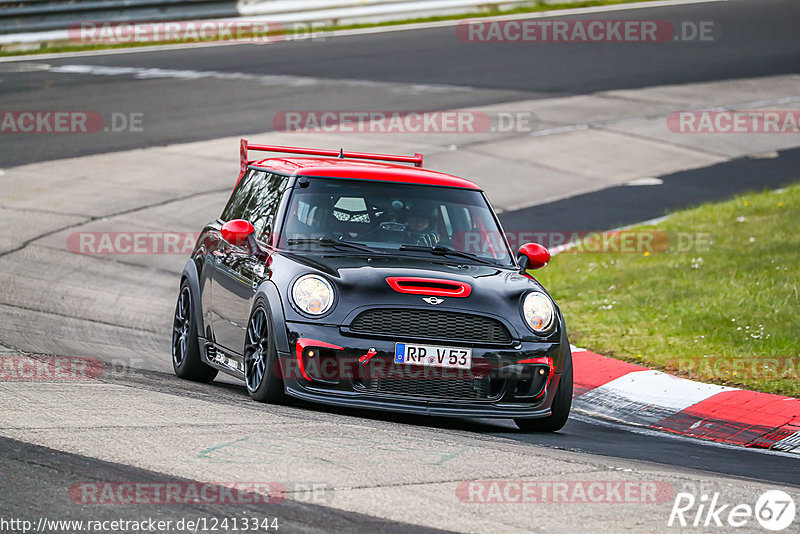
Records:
x=396, y=218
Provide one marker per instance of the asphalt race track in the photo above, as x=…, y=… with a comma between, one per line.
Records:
x=378, y=472
x=758, y=39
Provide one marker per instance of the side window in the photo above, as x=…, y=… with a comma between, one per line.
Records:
x=240, y=197
x=264, y=199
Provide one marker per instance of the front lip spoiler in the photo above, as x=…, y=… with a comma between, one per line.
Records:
x=418, y=407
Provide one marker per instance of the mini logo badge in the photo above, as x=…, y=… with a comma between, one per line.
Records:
x=433, y=300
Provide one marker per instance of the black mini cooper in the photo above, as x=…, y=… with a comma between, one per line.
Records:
x=359, y=280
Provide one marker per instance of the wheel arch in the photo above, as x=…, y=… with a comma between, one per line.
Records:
x=191, y=276
x=270, y=297
x=565, y=352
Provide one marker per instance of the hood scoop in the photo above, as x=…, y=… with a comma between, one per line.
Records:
x=429, y=286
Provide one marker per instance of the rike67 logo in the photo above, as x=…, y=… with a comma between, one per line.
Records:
x=774, y=510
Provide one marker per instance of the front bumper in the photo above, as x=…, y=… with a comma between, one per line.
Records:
x=328, y=366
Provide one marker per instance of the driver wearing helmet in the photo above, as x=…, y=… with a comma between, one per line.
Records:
x=421, y=227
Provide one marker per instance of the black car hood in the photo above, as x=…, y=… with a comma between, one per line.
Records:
x=360, y=282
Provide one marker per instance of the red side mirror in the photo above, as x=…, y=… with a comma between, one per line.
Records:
x=533, y=256
x=237, y=231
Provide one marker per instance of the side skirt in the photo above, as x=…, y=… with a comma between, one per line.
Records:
x=222, y=359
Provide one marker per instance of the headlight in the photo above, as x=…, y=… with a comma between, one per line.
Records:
x=539, y=312
x=313, y=294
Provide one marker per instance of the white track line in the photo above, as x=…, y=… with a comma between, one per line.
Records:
x=144, y=73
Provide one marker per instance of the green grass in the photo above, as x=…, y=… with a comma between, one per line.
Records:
x=727, y=312
x=50, y=48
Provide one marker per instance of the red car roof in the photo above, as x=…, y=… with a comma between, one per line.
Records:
x=362, y=170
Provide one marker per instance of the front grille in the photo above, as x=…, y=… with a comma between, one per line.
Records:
x=442, y=388
x=431, y=324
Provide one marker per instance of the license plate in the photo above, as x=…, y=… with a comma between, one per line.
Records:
x=431, y=355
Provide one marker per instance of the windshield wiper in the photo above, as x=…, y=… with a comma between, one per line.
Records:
x=328, y=242
x=445, y=251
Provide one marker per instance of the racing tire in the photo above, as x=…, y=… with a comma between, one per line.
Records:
x=562, y=402
x=186, y=360
x=261, y=368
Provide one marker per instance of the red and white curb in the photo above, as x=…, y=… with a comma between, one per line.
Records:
x=632, y=394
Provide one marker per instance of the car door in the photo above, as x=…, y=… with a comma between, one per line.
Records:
x=238, y=270
x=219, y=249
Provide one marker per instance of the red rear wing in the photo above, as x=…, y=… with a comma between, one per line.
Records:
x=416, y=159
